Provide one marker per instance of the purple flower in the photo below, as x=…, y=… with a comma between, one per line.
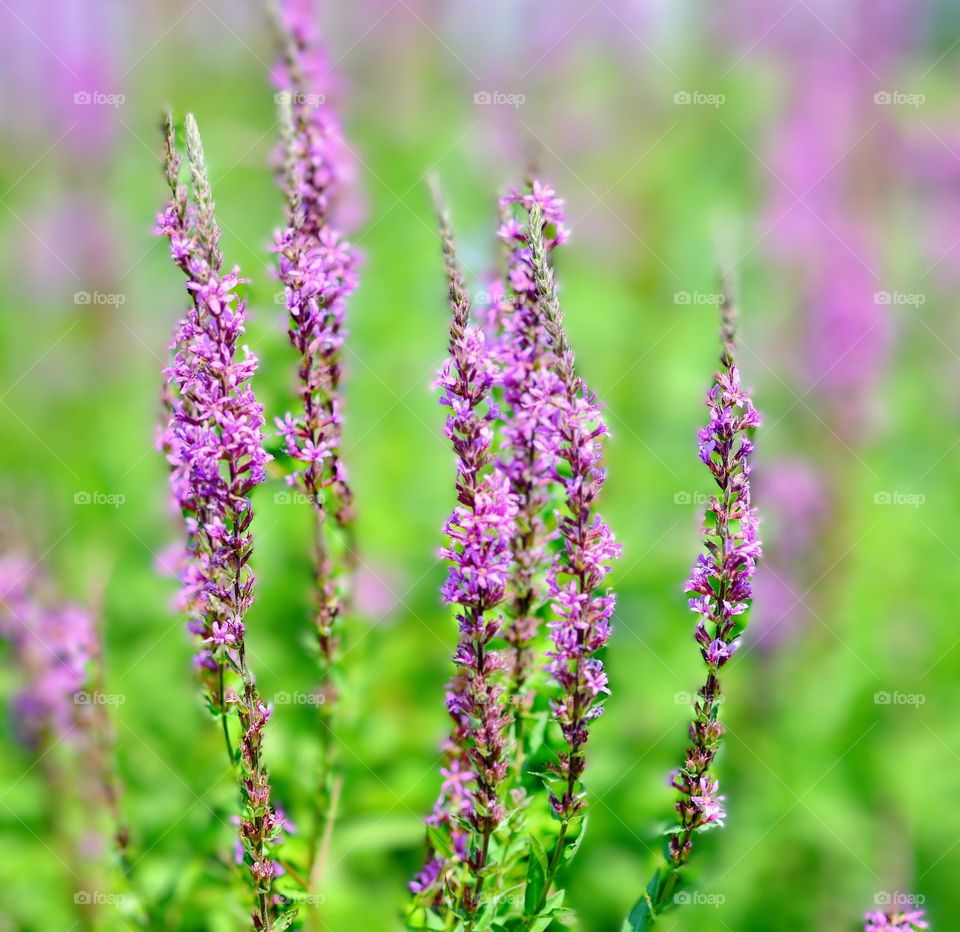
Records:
x=479, y=531
x=880, y=921
x=54, y=647
x=798, y=510
x=582, y=603
x=315, y=155
x=57, y=652
x=427, y=877
x=213, y=442
x=532, y=407
x=721, y=583
x=317, y=268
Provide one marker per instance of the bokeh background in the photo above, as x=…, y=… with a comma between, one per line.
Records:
x=811, y=147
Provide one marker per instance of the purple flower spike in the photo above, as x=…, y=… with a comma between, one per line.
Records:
x=532, y=405
x=880, y=921
x=479, y=531
x=582, y=602
x=720, y=584
x=213, y=442
x=53, y=646
x=317, y=268
x=57, y=651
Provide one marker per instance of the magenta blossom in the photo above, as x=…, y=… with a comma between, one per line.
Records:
x=880, y=921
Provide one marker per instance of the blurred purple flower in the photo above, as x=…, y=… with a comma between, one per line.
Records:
x=880, y=921
x=797, y=509
x=317, y=268
x=54, y=647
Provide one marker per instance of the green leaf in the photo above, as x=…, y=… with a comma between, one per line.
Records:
x=536, y=877
x=440, y=841
x=284, y=921
x=641, y=916
x=656, y=899
x=554, y=902
x=536, y=734
x=434, y=921
x=573, y=843
x=485, y=919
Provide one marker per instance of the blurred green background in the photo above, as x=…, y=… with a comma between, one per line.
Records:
x=681, y=135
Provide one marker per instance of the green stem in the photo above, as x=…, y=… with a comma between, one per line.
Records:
x=223, y=716
x=552, y=868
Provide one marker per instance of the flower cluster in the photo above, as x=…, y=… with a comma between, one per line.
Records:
x=879, y=921
x=58, y=655
x=54, y=647
x=720, y=585
x=583, y=604
x=527, y=434
x=213, y=442
x=532, y=393
x=314, y=148
x=317, y=269
x=479, y=531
